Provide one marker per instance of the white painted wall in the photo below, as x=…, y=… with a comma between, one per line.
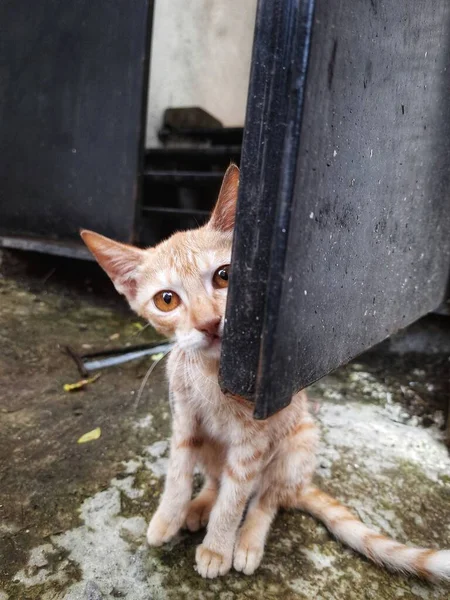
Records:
x=200, y=56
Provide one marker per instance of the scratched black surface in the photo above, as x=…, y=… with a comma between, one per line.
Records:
x=368, y=238
x=73, y=79
x=273, y=115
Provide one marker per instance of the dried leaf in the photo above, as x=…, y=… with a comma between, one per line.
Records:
x=158, y=356
x=73, y=387
x=114, y=336
x=90, y=436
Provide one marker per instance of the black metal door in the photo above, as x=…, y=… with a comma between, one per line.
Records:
x=343, y=224
x=73, y=83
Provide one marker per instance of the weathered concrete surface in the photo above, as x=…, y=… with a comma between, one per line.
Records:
x=73, y=516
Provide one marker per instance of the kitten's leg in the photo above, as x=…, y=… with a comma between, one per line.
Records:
x=214, y=556
x=173, y=507
x=292, y=468
x=200, y=508
x=252, y=535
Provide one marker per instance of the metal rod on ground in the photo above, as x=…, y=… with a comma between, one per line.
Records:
x=78, y=361
x=110, y=361
x=120, y=350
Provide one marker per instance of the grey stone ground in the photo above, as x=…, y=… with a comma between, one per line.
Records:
x=73, y=517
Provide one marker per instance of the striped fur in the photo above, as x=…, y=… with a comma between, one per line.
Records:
x=263, y=466
x=423, y=562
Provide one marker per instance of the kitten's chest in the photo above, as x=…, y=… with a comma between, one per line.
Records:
x=217, y=414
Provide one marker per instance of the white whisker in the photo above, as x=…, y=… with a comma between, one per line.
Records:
x=146, y=377
x=139, y=331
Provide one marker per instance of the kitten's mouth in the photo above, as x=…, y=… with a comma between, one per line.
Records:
x=213, y=340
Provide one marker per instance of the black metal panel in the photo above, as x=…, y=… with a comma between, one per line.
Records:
x=73, y=81
x=66, y=248
x=368, y=247
x=268, y=158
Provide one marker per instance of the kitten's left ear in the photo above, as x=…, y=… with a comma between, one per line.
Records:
x=224, y=212
x=120, y=261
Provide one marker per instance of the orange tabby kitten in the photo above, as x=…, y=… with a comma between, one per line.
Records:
x=180, y=287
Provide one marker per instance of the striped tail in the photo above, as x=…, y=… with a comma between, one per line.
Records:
x=423, y=562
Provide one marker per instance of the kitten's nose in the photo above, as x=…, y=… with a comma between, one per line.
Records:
x=210, y=327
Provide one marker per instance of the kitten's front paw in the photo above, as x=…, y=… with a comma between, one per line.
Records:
x=162, y=529
x=212, y=564
x=247, y=558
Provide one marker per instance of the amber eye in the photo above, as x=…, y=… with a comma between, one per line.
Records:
x=166, y=300
x=220, y=278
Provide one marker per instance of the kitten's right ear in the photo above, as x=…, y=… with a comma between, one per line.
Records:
x=224, y=213
x=120, y=261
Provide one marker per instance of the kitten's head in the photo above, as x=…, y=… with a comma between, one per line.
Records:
x=180, y=285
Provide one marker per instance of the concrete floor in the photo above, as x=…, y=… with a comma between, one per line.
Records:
x=73, y=517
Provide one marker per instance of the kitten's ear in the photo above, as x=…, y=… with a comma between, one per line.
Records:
x=224, y=212
x=120, y=261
